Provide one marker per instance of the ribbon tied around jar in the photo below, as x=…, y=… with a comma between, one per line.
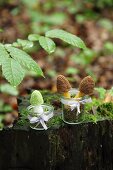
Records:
x=75, y=103
x=39, y=115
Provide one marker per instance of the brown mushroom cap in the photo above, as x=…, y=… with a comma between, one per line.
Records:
x=87, y=85
x=63, y=84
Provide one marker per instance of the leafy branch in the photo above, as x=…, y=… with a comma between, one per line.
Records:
x=15, y=61
x=49, y=45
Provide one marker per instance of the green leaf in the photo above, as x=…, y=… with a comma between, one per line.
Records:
x=12, y=71
x=47, y=44
x=8, y=89
x=67, y=37
x=25, y=44
x=16, y=44
x=24, y=59
x=33, y=37
x=3, y=54
x=10, y=67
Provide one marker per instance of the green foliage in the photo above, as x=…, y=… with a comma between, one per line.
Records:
x=5, y=107
x=72, y=70
x=95, y=103
x=54, y=19
x=29, y=4
x=93, y=112
x=55, y=121
x=51, y=73
x=106, y=110
x=88, y=117
x=33, y=37
x=84, y=57
x=106, y=23
x=104, y=3
x=14, y=62
x=102, y=112
x=23, y=121
x=80, y=18
x=42, y=20
x=1, y=30
x=108, y=48
x=86, y=15
x=13, y=71
x=67, y=37
x=50, y=19
x=8, y=89
x=101, y=92
x=47, y=44
x=24, y=44
x=24, y=60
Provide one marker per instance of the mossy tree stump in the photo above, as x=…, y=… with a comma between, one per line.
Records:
x=68, y=147
x=79, y=147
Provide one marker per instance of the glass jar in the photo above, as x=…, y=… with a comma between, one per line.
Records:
x=72, y=107
x=39, y=116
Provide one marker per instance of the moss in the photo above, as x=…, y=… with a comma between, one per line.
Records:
x=106, y=110
x=95, y=103
x=55, y=121
x=83, y=117
x=102, y=111
x=88, y=117
x=52, y=99
x=23, y=121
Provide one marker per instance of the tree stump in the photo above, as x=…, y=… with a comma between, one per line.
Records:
x=69, y=147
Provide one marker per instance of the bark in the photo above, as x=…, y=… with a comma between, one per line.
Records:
x=76, y=147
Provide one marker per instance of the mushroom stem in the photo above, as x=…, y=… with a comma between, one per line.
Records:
x=67, y=95
x=79, y=95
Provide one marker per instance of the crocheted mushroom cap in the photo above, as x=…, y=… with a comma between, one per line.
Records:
x=87, y=85
x=36, y=98
x=63, y=84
